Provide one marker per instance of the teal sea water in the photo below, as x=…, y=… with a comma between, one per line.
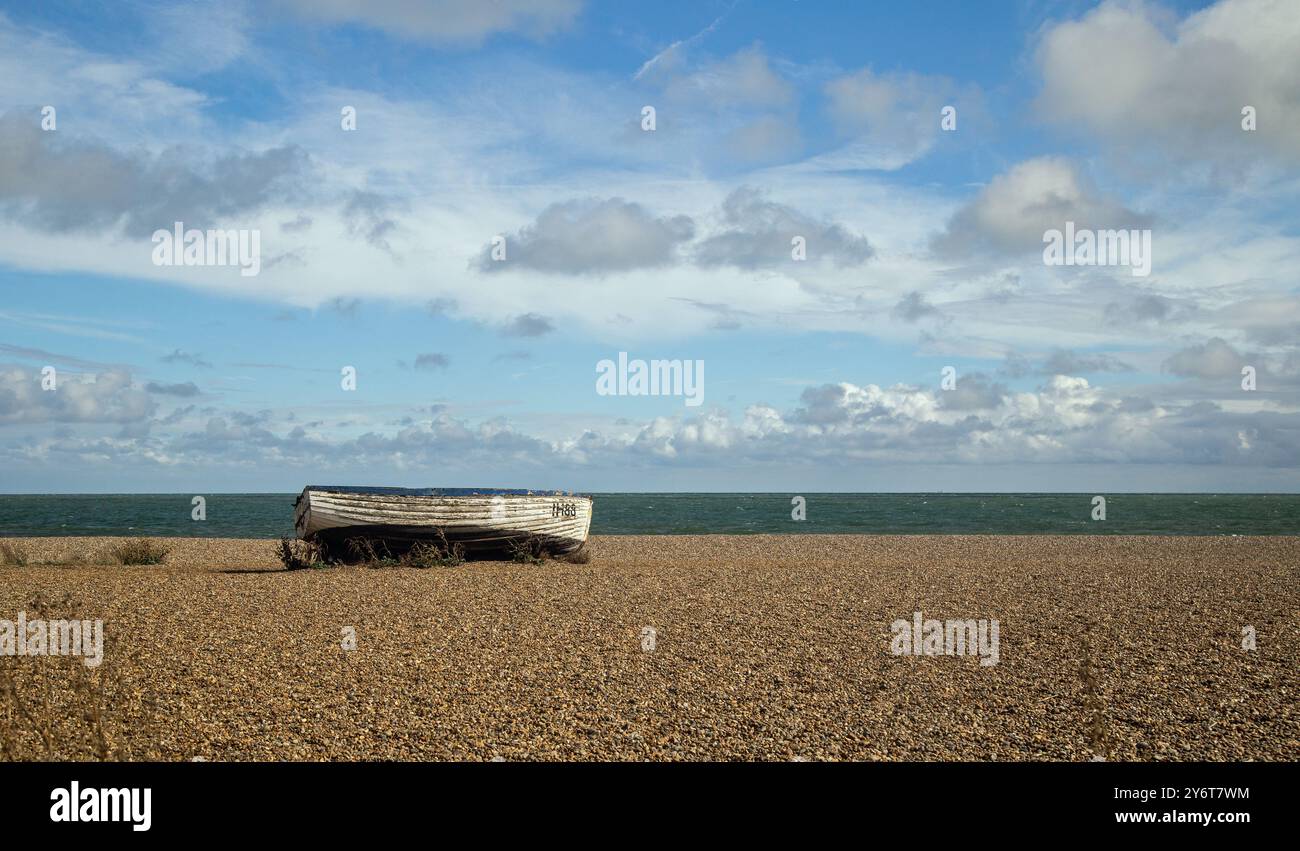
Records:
x=271, y=515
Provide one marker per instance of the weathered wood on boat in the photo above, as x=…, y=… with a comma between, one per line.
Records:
x=478, y=519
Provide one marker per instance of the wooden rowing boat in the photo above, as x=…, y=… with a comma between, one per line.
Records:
x=479, y=519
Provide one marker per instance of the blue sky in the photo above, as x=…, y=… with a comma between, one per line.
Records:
x=773, y=121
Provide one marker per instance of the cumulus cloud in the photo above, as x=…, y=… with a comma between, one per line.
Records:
x=56, y=183
x=914, y=307
x=613, y=235
x=1211, y=359
x=1127, y=72
x=1011, y=213
x=592, y=237
x=1066, y=420
x=108, y=397
x=444, y=22
x=755, y=231
x=973, y=392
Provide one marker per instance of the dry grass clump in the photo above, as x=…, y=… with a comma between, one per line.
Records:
x=371, y=552
x=138, y=551
x=56, y=708
x=299, y=555
x=528, y=550
x=437, y=553
x=534, y=550
x=16, y=555
x=374, y=553
x=11, y=553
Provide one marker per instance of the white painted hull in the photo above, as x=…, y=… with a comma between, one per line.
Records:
x=476, y=521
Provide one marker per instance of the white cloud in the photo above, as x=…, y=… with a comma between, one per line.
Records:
x=445, y=22
x=755, y=232
x=730, y=113
x=889, y=120
x=60, y=183
x=108, y=397
x=1132, y=73
x=1013, y=211
x=1212, y=359
x=591, y=237
x=1064, y=421
x=745, y=79
x=398, y=208
x=112, y=98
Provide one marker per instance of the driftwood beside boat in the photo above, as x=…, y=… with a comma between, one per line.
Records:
x=479, y=519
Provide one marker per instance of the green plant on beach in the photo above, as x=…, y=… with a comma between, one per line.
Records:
x=533, y=549
x=439, y=553
x=377, y=553
x=371, y=552
x=298, y=555
x=528, y=550
x=435, y=551
x=138, y=551
x=16, y=555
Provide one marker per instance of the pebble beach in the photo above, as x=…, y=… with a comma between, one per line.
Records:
x=756, y=647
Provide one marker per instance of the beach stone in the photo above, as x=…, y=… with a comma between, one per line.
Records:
x=768, y=647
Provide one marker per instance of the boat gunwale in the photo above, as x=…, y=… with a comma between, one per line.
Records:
x=356, y=507
x=450, y=492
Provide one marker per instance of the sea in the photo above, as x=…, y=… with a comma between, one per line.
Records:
x=270, y=515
